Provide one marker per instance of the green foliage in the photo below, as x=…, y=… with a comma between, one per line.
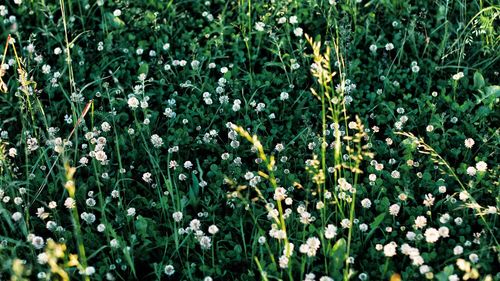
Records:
x=144, y=108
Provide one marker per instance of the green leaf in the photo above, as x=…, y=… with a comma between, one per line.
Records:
x=144, y=68
x=374, y=225
x=338, y=253
x=193, y=191
x=478, y=80
x=443, y=275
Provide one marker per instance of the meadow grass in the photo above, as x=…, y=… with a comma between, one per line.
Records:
x=249, y=140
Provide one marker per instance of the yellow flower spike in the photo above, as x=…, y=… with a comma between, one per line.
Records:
x=70, y=171
x=73, y=260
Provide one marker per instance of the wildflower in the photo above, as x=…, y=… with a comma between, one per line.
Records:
x=345, y=223
x=69, y=203
x=169, y=270
x=284, y=96
x=105, y=126
x=431, y=235
x=194, y=224
x=156, y=140
x=444, y=231
x=298, y=32
x=420, y=222
x=262, y=240
x=259, y=26
x=177, y=216
x=390, y=249
x=471, y=171
x=373, y=48
x=429, y=200
x=38, y=242
x=12, y=152
x=469, y=143
x=293, y=20
x=147, y=177
x=481, y=166
x=205, y=242
x=394, y=209
x=131, y=212
x=310, y=247
x=458, y=76
x=366, y=203
x=213, y=229
x=17, y=216
x=389, y=46
x=330, y=231
x=473, y=258
x=283, y=261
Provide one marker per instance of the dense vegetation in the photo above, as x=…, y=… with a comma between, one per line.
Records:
x=249, y=140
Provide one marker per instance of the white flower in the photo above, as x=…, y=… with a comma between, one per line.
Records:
x=156, y=140
x=69, y=203
x=458, y=76
x=473, y=258
x=481, y=166
x=213, y=229
x=345, y=223
x=205, y=242
x=169, y=270
x=259, y=26
x=284, y=96
x=131, y=212
x=17, y=216
x=420, y=222
x=431, y=235
x=105, y=126
x=12, y=152
x=147, y=177
x=373, y=48
x=114, y=243
x=38, y=242
x=390, y=249
x=469, y=143
x=394, y=209
x=389, y=46
x=458, y=250
x=293, y=20
x=444, y=231
x=177, y=216
x=366, y=203
x=471, y=171
x=310, y=247
x=298, y=32
x=283, y=261
x=330, y=231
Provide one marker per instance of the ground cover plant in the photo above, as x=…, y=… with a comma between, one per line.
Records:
x=249, y=140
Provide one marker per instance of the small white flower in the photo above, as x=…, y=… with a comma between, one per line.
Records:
x=389, y=46
x=259, y=26
x=298, y=32
x=213, y=229
x=390, y=249
x=481, y=166
x=169, y=270
x=431, y=235
x=469, y=143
